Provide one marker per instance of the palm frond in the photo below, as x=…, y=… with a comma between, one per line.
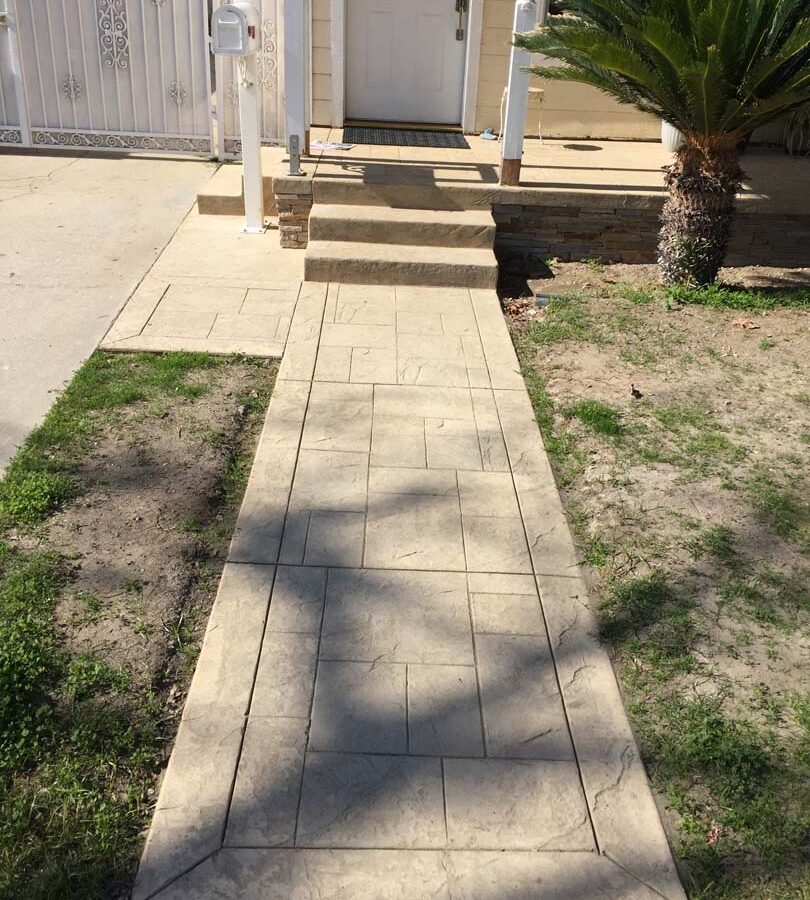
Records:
x=710, y=67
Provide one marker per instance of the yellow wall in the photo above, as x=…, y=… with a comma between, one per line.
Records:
x=321, y=63
x=568, y=110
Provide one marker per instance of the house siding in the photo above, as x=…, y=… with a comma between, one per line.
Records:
x=321, y=62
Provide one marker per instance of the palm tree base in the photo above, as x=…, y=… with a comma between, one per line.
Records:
x=696, y=218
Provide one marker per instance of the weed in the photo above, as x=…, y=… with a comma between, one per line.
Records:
x=782, y=509
x=634, y=604
x=716, y=542
x=598, y=416
x=753, y=802
x=686, y=436
x=767, y=344
x=773, y=598
x=87, y=676
x=637, y=296
x=31, y=497
x=30, y=658
x=594, y=264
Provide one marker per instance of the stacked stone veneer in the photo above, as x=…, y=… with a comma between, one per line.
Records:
x=527, y=234
x=293, y=214
x=612, y=228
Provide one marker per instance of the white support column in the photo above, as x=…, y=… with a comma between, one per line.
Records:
x=517, y=95
x=295, y=70
x=251, y=128
x=307, y=73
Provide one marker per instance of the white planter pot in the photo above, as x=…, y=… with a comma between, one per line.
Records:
x=671, y=138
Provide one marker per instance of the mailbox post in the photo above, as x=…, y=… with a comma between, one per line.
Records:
x=235, y=32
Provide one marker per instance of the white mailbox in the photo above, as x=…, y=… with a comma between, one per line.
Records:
x=235, y=29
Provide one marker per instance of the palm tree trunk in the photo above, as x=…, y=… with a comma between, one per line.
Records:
x=702, y=182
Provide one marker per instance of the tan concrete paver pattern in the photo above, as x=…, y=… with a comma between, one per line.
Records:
x=401, y=693
x=236, y=295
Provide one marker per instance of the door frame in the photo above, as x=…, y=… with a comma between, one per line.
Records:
x=472, y=58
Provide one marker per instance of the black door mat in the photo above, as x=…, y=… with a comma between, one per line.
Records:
x=403, y=137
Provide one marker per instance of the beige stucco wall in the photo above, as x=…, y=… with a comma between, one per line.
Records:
x=567, y=110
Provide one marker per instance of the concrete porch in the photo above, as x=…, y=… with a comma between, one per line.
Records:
x=576, y=199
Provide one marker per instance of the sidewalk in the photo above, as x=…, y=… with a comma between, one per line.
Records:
x=401, y=693
x=77, y=232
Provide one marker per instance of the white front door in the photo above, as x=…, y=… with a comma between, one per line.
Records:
x=404, y=60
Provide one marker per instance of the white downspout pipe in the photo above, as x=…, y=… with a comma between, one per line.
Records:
x=517, y=92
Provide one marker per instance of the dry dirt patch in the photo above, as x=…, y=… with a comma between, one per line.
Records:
x=114, y=526
x=680, y=436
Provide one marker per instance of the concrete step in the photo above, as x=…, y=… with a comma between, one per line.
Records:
x=223, y=194
x=400, y=192
x=371, y=263
x=385, y=225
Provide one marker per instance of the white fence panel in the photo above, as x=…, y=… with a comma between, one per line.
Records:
x=116, y=74
x=270, y=81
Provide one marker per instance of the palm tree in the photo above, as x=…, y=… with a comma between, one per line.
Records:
x=715, y=69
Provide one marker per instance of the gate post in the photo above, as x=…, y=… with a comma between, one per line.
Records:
x=295, y=71
x=17, y=73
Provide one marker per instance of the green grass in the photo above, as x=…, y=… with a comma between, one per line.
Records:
x=784, y=509
x=638, y=296
x=597, y=416
x=683, y=435
x=716, y=542
x=80, y=741
x=754, y=799
x=749, y=300
x=560, y=445
x=566, y=318
x=41, y=477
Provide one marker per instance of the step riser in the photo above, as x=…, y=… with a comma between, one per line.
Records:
x=363, y=271
x=425, y=234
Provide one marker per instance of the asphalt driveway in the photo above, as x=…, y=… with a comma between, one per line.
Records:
x=77, y=234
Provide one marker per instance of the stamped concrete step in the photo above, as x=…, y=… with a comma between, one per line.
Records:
x=223, y=194
x=468, y=228
x=369, y=263
x=400, y=192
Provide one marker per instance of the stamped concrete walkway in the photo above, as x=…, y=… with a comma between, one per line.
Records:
x=401, y=694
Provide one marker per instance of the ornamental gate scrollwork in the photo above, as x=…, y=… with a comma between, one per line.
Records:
x=107, y=75
x=113, y=33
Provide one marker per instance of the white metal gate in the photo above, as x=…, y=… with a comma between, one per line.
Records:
x=106, y=75
x=270, y=81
